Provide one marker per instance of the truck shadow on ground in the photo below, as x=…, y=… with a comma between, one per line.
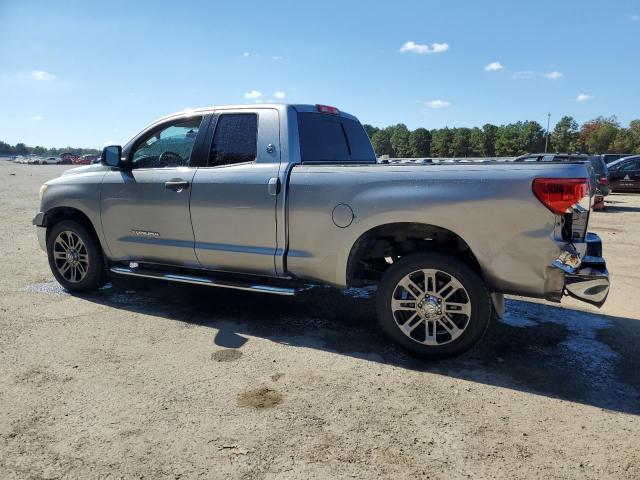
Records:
x=567, y=354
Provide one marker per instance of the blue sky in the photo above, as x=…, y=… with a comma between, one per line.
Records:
x=91, y=73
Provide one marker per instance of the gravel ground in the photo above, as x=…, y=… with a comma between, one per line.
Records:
x=156, y=381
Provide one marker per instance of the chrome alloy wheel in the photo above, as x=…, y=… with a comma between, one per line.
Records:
x=431, y=307
x=70, y=256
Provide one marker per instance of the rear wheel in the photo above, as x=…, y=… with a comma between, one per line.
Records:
x=433, y=305
x=75, y=257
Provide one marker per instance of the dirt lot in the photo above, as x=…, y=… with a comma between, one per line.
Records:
x=146, y=380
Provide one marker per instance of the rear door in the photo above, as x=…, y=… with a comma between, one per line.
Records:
x=233, y=199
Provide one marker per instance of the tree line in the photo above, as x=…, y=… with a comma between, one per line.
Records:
x=600, y=135
x=22, y=149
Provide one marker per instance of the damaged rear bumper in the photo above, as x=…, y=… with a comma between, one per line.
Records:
x=585, y=273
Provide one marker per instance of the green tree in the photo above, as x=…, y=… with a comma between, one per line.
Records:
x=441, y=140
x=476, y=143
x=565, y=134
x=420, y=143
x=634, y=131
x=381, y=142
x=370, y=130
x=400, y=140
x=532, y=137
x=490, y=132
x=623, y=142
x=461, y=142
x=21, y=149
x=507, y=141
x=6, y=149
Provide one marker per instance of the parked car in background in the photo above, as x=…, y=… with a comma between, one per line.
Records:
x=624, y=174
x=86, y=159
x=600, y=176
x=68, y=158
x=50, y=161
x=612, y=157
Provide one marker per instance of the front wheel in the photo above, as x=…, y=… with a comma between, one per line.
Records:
x=433, y=305
x=75, y=257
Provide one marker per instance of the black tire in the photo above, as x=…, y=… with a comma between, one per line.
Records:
x=474, y=290
x=95, y=273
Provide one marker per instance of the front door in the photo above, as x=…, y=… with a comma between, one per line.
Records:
x=145, y=208
x=627, y=176
x=233, y=200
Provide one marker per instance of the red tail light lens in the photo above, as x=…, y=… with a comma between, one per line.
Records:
x=602, y=180
x=558, y=194
x=328, y=109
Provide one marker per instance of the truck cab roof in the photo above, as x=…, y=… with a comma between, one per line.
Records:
x=298, y=107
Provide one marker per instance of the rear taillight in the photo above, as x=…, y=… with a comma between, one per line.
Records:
x=558, y=194
x=328, y=109
x=602, y=180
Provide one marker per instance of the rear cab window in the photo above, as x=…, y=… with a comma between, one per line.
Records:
x=234, y=140
x=331, y=138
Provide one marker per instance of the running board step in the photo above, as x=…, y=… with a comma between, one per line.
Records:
x=202, y=280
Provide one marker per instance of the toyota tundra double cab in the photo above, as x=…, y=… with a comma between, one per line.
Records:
x=270, y=198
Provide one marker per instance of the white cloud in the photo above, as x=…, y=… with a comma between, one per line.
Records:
x=524, y=74
x=253, y=94
x=554, y=75
x=279, y=94
x=276, y=57
x=37, y=118
x=635, y=17
x=439, y=47
x=583, y=97
x=493, y=67
x=414, y=47
x=42, y=76
x=246, y=54
x=438, y=104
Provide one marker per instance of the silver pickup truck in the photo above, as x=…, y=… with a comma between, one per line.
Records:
x=271, y=198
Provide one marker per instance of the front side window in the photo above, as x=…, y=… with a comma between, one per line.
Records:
x=629, y=166
x=235, y=139
x=171, y=146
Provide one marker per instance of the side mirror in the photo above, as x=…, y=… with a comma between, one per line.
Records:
x=111, y=156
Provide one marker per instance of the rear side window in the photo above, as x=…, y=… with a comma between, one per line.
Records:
x=331, y=138
x=234, y=140
x=598, y=165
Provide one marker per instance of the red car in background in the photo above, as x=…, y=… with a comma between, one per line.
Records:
x=67, y=158
x=85, y=159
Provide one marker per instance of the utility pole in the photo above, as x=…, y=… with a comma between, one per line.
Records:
x=546, y=142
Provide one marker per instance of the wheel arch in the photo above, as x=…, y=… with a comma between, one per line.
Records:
x=58, y=214
x=375, y=250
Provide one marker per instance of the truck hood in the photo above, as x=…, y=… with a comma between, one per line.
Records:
x=94, y=167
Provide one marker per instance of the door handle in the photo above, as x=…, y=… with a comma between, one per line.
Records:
x=176, y=184
x=273, y=186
